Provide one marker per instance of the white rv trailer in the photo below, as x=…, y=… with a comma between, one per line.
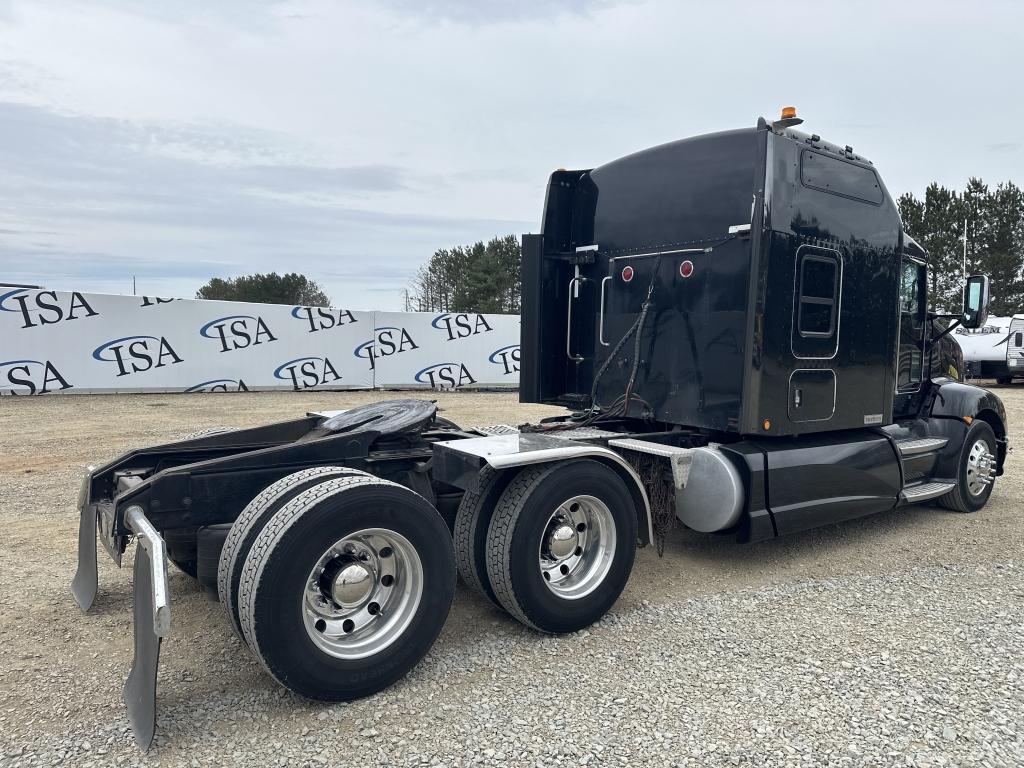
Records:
x=985, y=349
x=1015, y=348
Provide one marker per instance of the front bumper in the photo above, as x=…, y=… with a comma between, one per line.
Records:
x=152, y=609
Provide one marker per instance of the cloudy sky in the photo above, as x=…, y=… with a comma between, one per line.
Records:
x=349, y=140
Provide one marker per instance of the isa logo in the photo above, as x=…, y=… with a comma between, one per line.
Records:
x=152, y=301
x=445, y=376
x=44, y=307
x=507, y=358
x=461, y=326
x=386, y=342
x=219, y=385
x=237, y=332
x=307, y=372
x=135, y=354
x=36, y=376
x=322, y=318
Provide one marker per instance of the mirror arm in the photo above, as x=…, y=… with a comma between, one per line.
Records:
x=957, y=321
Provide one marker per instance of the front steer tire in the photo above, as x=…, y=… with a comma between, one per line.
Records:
x=961, y=498
x=532, y=533
x=390, y=534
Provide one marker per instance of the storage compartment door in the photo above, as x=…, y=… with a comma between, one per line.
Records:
x=812, y=395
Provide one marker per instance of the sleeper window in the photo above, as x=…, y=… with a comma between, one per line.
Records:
x=817, y=300
x=819, y=283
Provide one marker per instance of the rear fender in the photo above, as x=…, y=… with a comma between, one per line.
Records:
x=458, y=463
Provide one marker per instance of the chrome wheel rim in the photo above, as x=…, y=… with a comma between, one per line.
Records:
x=981, y=468
x=577, y=547
x=362, y=593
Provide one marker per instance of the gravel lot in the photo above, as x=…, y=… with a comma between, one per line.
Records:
x=893, y=640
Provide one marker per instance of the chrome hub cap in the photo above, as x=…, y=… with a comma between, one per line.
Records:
x=352, y=585
x=362, y=593
x=981, y=468
x=563, y=541
x=577, y=547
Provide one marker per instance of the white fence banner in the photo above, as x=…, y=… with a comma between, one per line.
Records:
x=69, y=342
x=445, y=351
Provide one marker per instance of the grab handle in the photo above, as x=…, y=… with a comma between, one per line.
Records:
x=568, y=322
x=600, y=320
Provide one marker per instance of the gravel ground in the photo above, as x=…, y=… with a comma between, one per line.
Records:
x=892, y=640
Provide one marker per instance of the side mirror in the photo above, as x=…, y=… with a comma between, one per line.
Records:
x=975, y=301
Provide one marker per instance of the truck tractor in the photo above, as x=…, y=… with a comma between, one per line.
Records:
x=738, y=325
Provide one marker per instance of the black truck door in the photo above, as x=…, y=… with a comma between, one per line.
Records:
x=913, y=340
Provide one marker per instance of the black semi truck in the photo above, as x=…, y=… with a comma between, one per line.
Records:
x=739, y=326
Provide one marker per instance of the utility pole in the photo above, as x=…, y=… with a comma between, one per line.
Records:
x=965, y=248
x=133, y=285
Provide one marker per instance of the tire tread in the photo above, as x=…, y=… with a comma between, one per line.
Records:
x=250, y=517
x=267, y=540
x=499, y=537
x=470, y=515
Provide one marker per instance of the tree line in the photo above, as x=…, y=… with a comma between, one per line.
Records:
x=994, y=220
x=482, y=277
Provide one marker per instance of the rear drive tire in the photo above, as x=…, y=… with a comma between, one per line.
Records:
x=470, y=531
x=561, y=544
x=975, y=472
x=346, y=587
x=248, y=525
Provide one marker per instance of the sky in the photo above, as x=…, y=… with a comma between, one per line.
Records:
x=175, y=142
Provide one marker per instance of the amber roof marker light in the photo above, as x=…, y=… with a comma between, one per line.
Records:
x=788, y=119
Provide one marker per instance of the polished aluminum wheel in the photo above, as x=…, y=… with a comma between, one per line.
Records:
x=981, y=468
x=577, y=547
x=362, y=593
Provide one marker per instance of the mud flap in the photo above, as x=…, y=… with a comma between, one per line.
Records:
x=140, y=687
x=152, y=620
x=86, y=581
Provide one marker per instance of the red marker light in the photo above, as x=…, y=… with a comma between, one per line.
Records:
x=627, y=274
x=686, y=268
